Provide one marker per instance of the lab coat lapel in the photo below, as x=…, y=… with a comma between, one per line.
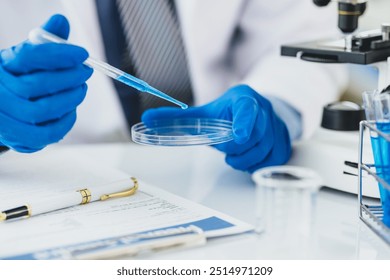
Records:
x=207, y=36
x=202, y=27
x=85, y=28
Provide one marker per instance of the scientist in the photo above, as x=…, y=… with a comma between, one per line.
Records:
x=222, y=56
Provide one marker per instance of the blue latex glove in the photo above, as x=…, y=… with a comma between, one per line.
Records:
x=40, y=88
x=260, y=136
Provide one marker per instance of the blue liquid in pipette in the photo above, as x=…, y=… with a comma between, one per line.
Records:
x=144, y=87
x=40, y=36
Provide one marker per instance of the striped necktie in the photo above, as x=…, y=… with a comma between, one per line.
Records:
x=155, y=48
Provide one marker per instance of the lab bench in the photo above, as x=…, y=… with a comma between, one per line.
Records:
x=200, y=174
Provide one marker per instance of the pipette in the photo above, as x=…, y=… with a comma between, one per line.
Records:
x=39, y=36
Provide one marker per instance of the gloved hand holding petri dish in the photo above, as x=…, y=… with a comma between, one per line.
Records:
x=259, y=137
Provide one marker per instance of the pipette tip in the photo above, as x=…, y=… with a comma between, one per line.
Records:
x=162, y=95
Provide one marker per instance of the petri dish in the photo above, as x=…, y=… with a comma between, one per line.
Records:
x=182, y=132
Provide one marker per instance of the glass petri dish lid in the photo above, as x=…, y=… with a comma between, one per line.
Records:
x=182, y=132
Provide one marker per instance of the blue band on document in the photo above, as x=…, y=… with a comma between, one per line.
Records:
x=209, y=224
x=212, y=223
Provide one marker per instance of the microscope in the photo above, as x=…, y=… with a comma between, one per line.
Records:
x=333, y=142
x=365, y=48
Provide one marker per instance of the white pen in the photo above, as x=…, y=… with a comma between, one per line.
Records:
x=116, y=189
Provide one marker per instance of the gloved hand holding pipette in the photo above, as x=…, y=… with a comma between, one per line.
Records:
x=40, y=35
x=40, y=88
x=260, y=136
x=42, y=81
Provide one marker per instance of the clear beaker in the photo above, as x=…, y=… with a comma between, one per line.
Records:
x=286, y=203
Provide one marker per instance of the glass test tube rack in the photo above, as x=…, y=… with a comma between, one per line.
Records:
x=371, y=214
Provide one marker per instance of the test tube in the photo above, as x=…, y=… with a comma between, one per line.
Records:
x=377, y=106
x=382, y=107
x=369, y=104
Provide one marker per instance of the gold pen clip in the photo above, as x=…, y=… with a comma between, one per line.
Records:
x=123, y=193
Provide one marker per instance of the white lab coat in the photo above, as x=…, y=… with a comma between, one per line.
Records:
x=214, y=63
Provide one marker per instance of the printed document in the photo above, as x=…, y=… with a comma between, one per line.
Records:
x=45, y=174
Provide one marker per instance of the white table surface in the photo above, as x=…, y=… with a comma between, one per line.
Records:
x=201, y=175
